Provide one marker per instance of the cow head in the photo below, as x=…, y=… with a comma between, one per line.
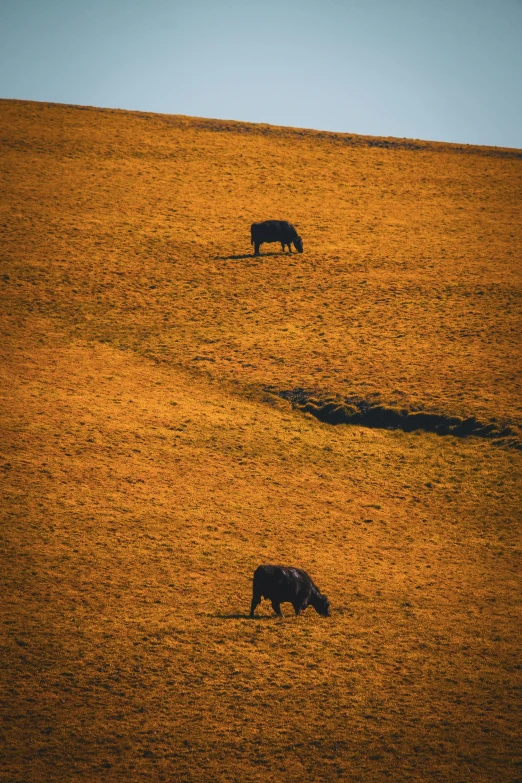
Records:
x=322, y=605
x=298, y=244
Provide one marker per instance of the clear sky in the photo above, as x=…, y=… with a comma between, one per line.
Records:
x=447, y=70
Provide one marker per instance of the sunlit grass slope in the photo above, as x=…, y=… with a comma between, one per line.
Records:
x=146, y=472
x=125, y=224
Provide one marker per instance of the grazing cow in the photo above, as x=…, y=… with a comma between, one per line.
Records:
x=275, y=231
x=280, y=584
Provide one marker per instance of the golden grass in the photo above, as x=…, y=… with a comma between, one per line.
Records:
x=146, y=473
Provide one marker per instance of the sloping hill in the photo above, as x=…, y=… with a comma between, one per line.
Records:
x=150, y=463
x=137, y=228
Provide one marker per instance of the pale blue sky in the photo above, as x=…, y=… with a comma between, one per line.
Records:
x=448, y=70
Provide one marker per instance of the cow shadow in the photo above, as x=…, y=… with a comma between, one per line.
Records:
x=245, y=616
x=243, y=256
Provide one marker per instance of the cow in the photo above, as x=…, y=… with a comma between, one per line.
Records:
x=282, y=584
x=275, y=231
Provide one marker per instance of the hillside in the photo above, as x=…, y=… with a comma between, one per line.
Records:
x=162, y=397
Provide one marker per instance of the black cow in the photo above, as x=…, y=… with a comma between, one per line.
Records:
x=275, y=231
x=280, y=584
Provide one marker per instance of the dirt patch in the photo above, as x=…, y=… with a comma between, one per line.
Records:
x=350, y=410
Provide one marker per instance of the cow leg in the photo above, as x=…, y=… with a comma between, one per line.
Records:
x=256, y=600
x=300, y=604
x=276, y=607
x=256, y=248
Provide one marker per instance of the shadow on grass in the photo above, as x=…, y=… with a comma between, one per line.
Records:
x=243, y=617
x=368, y=414
x=245, y=255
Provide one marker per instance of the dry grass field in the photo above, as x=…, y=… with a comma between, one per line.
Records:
x=149, y=463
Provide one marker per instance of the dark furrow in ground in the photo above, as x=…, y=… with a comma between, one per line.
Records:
x=352, y=410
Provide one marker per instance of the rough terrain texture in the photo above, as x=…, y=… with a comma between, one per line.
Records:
x=149, y=463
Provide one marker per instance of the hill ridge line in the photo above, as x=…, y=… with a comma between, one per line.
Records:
x=217, y=125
